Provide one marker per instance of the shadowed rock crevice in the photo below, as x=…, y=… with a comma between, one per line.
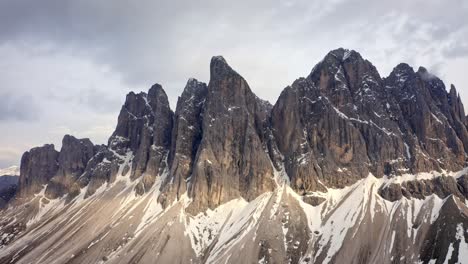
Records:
x=186, y=137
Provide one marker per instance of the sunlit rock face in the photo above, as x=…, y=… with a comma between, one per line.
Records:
x=346, y=167
x=231, y=160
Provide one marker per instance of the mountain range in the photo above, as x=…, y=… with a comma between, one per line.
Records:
x=8, y=184
x=346, y=167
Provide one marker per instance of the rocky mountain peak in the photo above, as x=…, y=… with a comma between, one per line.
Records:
x=342, y=55
x=422, y=70
x=227, y=172
x=399, y=76
x=156, y=90
x=72, y=161
x=231, y=160
x=345, y=72
x=431, y=79
x=38, y=166
x=402, y=68
x=70, y=145
x=453, y=91
x=186, y=137
x=157, y=99
x=338, y=57
x=192, y=87
x=219, y=68
x=216, y=124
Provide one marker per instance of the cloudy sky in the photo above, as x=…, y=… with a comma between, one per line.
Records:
x=65, y=66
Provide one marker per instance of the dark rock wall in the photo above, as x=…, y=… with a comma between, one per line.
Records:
x=330, y=129
x=38, y=166
x=231, y=161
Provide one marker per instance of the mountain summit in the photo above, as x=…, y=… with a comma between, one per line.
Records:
x=346, y=167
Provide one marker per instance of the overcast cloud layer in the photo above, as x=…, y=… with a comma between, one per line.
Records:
x=66, y=66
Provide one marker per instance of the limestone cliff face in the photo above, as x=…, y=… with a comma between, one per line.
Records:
x=333, y=127
x=186, y=137
x=144, y=128
x=330, y=129
x=141, y=140
x=72, y=161
x=231, y=161
x=344, y=121
x=38, y=166
x=434, y=131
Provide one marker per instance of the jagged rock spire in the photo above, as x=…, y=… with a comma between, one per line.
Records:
x=219, y=67
x=72, y=161
x=327, y=130
x=231, y=161
x=186, y=137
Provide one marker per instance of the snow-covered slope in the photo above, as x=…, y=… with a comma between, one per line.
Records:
x=352, y=225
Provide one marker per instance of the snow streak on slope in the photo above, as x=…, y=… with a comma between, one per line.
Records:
x=351, y=225
x=204, y=227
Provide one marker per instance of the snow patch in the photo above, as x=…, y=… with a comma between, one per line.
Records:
x=346, y=54
x=11, y=171
x=203, y=228
x=437, y=119
x=463, y=247
x=45, y=208
x=239, y=224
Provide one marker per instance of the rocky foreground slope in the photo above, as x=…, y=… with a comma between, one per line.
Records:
x=346, y=167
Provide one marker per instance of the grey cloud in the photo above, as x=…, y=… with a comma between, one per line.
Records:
x=9, y=157
x=99, y=100
x=167, y=41
x=271, y=43
x=456, y=51
x=428, y=76
x=18, y=107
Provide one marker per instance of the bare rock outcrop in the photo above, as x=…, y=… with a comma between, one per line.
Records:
x=441, y=186
x=186, y=137
x=38, y=166
x=72, y=161
x=231, y=161
x=344, y=121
